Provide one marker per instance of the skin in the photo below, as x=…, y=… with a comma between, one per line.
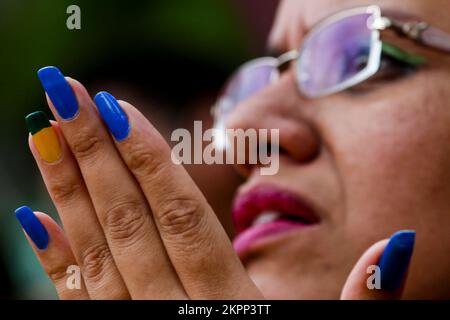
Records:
x=372, y=161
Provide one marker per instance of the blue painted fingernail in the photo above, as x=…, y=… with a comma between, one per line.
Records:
x=33, y=227
x=59, y=91
x=113, y=115
x=394, y=261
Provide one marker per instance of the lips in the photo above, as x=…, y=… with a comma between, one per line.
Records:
x=267, y=211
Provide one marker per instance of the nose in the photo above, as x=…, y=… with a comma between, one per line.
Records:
x=281, y=107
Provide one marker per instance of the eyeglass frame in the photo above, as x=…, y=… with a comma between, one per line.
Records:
x=420, y=32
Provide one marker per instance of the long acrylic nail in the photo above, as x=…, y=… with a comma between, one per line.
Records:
x=395, y=259
x=59, y=91
x=33, y=227
x=44, y=136
x=113, y=115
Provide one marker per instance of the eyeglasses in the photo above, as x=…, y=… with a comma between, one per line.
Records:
x=342, y=51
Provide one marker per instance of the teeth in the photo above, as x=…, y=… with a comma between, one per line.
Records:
x=266, y=217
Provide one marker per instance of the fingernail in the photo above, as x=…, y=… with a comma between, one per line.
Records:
x=395, y=259
x=59, y=91
x=113, y=115
x=44, y=136
x=33, y=227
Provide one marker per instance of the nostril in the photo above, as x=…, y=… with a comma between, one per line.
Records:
x=282, y=151
x=312, y=156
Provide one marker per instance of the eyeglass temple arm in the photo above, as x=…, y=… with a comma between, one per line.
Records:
x=422, y=33
x=399, y=54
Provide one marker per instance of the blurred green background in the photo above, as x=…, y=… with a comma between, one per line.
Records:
x=168, y=57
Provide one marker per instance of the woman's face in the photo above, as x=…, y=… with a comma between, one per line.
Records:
x=370, y=161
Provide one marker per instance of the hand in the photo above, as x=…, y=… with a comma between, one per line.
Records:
x=134, y=222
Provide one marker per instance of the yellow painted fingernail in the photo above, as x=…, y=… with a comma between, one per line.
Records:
x=44, y=136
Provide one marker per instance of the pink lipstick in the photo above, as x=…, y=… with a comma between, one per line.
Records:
x=267, y=211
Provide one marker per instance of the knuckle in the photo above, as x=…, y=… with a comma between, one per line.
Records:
x=144, y=161
x=94, y=260
x=181, y=217
x=124, y=222
x=57, y=274
x=85, y=144
x=64, y=191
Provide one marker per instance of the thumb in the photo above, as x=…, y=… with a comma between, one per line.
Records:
x=381, y=271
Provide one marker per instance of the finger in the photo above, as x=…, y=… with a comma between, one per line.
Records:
x=65, y=185
x=388, y=261
x=121, y=208
x=193, y=237
x=53, y=251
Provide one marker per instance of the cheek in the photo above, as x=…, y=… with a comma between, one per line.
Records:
x=393, y=158
x=393, y=155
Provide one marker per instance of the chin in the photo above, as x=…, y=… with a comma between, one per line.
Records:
x=275, y=281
